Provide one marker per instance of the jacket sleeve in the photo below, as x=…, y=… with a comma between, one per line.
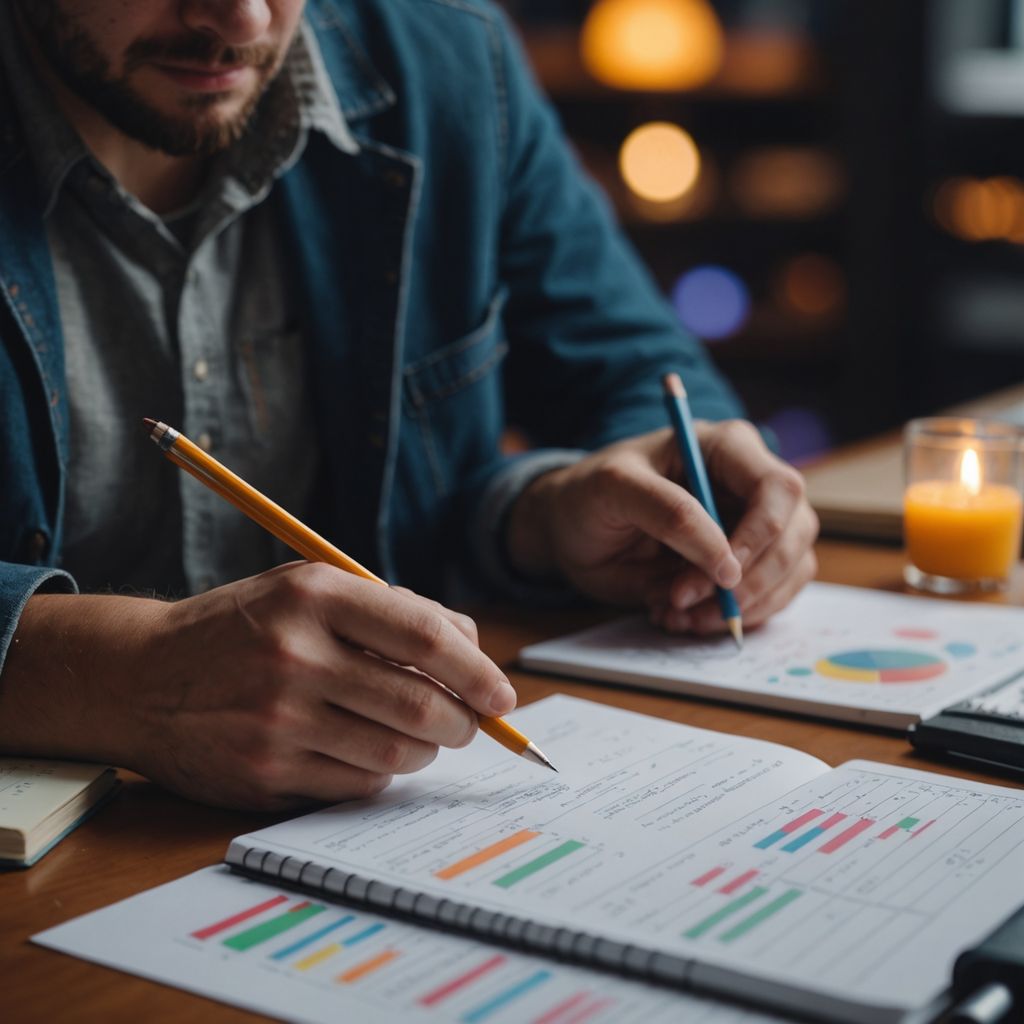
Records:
x=589, y=334
x=17, y=584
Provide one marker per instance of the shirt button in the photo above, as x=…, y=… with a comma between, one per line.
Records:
x=201, y=369
x=204, y=441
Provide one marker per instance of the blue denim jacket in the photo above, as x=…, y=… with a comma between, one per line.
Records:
x=456, y=273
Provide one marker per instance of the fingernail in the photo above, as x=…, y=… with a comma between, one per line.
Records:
x=728, y=573
x=742, y=554
x=503, y=699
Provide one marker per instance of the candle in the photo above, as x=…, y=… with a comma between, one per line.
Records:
x=966, y=529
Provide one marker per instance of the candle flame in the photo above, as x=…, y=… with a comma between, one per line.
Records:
x=970, y=471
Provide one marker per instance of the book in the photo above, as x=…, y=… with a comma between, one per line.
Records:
x=723, y=865
x=837, y=652
x=42, y=801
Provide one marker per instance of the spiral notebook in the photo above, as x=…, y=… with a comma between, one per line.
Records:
x=717, y=863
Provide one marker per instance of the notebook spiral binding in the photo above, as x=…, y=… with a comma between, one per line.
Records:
x=563, y=943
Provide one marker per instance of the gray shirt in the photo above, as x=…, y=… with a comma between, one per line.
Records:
x=185, y=318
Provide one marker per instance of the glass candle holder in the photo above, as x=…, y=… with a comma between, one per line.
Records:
x=962, y=506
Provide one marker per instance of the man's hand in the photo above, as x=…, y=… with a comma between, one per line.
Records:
x=304, y=683
x=618, y=526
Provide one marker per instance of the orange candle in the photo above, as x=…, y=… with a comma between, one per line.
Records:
x=964, y=529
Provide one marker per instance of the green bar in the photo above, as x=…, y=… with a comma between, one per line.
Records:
x=720, y=915
x=530, y=867
x=765, y=912
x=254, y=936
x=908, y=823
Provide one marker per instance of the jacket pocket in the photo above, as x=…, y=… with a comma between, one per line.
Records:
x=454, y=398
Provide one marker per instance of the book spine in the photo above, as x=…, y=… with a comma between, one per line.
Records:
x=563, y=943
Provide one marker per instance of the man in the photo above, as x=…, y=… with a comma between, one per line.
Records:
x=334, y=243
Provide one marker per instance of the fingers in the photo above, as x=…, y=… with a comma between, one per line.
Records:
x=771, y=490
x=463, y=623
x=407, y=631
x=401, y=699
x=642, y=498
x=315, y=776
x=362, y=743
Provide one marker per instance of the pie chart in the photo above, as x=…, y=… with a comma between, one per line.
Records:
x=881, y=666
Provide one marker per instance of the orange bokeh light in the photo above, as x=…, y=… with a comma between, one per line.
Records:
x=655, y=45
x=659, y=162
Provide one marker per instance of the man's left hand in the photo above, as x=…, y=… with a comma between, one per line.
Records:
x=618, y=526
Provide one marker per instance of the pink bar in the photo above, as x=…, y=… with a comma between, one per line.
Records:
x=834, y=820
x=737, y=882
x=433, y=998
x=846, y=835
x=213, y=929
x=918, y=831
x=589, y=1011
x=890, y=831
x=802, y=820
x=708, y=876
x=564, y=1007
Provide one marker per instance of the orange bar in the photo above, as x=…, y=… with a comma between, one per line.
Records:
x=367, y=967
x=487, y=853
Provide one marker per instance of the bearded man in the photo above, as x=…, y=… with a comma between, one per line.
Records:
x=340, y=244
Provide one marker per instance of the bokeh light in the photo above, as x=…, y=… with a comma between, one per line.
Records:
x=711, y=301
x=812, y=285
x=655, y=45
x=801, y=433
x=786, y=181
x=981, y=209
x=659, y=162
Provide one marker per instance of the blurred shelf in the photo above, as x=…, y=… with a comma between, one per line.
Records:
x=760, y=66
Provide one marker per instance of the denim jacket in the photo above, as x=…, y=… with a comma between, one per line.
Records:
x=457, y=273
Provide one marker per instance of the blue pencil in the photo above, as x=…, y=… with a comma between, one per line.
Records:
x=679, y=409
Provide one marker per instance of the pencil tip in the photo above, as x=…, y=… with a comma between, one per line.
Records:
x=533, y=753
x=735, y=624
x=148, y=425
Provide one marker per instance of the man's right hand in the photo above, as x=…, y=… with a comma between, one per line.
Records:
x=304, y=683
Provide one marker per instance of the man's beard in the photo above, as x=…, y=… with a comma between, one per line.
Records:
x=81, y=66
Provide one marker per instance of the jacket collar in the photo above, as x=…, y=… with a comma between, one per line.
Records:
x=361, y=90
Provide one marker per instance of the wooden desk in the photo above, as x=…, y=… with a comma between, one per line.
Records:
x=147, y=837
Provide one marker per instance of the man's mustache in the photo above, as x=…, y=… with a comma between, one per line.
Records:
x=198, y=48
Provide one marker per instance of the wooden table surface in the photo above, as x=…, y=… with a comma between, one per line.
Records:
x=147, y=836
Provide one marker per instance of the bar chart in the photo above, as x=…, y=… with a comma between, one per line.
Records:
x=256, y=946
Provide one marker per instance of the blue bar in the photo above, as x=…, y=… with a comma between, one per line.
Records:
x=503, y=998
x=364, y=934
x=808, y=836
x=771, y=840
x=283, y=954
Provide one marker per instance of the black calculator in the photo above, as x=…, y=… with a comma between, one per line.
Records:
x=988, y=727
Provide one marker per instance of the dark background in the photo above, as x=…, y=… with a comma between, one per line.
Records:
x=860, y=185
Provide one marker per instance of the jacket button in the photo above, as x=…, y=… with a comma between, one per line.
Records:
x=37, y=546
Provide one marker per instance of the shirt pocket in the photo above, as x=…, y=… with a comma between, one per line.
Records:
x=454, y=396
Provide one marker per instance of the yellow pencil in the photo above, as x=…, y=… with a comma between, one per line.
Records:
x=299, y=537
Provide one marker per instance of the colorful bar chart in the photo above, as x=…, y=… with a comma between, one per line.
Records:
x=812, y=833
x=906, y=825
x=457, y=984
x=503, y=998
x=788, y=829
x=295, y=947
x=846, y=835
x=243, y=915
x=708, y=876
x=275, y=926
x=538, y=863
x=765, y=912
x=733, y=907
x=738, y=882
x=927, y=824
x=488, y=853
x=375, y=963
